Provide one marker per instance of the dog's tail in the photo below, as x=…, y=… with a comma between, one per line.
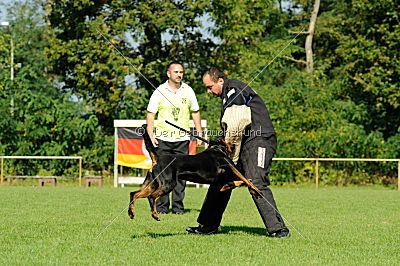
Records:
x=149, y=145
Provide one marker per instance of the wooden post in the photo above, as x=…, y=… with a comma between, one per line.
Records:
x=316, y=173
x=80, y=172
x=115, y=157
x=2, y=170
x=398, y=175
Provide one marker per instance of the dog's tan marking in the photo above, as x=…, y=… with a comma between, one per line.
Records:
x=144, y=192
x=153, y=158
x=228, y=146
x=257, y=192
x=154, y=213
x=232, y=185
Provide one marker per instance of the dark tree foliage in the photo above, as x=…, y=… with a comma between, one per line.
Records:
x=86, y=63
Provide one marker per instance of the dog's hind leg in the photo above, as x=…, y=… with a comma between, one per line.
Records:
x=155, y=196
x=131, y=209
x=154, y=212
x=145, y=191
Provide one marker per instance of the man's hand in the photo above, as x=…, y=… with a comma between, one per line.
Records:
x=150, y=127
x=153, y=140
x=199, y=142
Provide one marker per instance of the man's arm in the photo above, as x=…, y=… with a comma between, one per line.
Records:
x=197, y=124
x=150, y=127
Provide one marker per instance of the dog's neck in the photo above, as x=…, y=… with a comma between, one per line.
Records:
x=220, y=149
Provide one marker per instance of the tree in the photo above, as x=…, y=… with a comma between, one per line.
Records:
x=358, y=46
x=84, y=56
x=98, y=53
x=44, y=121
x=309, y=39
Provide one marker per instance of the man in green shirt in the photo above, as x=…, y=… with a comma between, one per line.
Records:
x=174, y=101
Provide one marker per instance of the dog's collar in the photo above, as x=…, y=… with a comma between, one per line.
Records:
x=217, y=148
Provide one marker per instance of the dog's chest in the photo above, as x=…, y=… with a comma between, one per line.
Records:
x=221, y=171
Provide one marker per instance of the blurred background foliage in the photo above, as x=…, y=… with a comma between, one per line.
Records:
x=77, y=67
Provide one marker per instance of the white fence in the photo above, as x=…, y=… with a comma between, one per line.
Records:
x=2, y=173
x=136, y=180
x=317, y=160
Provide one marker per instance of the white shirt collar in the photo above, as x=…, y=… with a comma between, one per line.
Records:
x=171, y=90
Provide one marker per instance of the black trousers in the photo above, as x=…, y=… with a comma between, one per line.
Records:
x=178, y=194
x=254, y=162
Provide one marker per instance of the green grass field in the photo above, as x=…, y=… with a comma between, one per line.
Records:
x=73, y=225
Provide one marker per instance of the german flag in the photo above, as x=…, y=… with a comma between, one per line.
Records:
x=131, y=149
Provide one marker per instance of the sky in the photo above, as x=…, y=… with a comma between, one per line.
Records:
x=166, y=37
x=3, y=11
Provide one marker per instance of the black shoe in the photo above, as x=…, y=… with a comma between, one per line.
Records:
x=282, y=233
x=178, y=212
x=202, y=230
x=192, y=229
x=162, y=212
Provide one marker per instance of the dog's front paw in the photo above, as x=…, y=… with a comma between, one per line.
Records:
x=155, y=216
x=131, y=214
x=226, y=187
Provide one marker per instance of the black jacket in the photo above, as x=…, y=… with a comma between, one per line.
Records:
x=235, y=92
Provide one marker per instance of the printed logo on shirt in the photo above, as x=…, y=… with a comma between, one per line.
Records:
x=184, y=100
x=229, y=94
x=175, y=113
x=261, y=157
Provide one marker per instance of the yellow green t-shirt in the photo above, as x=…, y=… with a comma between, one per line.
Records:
x=174, y=107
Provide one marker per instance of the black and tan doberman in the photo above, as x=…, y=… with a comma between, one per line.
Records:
x=212, y=166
